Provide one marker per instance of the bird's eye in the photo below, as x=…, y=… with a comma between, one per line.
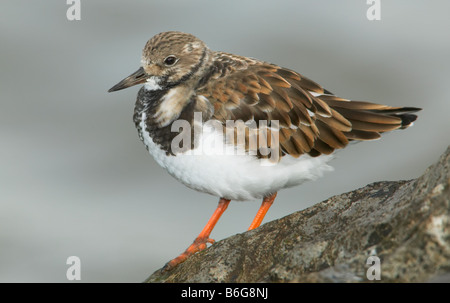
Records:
x=170, y=60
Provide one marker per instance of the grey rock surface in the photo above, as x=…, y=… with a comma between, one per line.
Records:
x=406, y=224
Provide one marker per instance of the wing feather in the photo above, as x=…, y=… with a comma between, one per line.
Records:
x=311, y=119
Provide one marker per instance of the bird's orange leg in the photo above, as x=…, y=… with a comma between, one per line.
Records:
x=266, y=204
x=203, y=238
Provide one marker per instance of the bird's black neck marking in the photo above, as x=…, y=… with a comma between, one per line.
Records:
x=147, y=102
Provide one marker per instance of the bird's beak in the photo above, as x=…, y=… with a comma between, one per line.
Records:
x=137, y=77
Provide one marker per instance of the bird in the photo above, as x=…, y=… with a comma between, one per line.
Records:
x=192, y=96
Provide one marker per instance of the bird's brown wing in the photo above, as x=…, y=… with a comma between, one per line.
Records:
x=311, y=119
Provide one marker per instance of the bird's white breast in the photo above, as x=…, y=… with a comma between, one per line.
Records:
x=232, y=176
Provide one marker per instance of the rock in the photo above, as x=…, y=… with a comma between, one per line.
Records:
x=406, y=224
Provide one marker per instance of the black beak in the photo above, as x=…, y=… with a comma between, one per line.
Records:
x=137, y=77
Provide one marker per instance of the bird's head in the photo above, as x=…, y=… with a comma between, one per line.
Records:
x=168, y=59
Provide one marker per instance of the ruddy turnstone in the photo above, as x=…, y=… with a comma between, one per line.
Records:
x=294, y=118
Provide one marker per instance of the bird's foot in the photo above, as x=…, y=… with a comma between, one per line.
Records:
x=198, y=245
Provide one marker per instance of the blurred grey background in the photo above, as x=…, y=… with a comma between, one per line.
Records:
x=76, y=181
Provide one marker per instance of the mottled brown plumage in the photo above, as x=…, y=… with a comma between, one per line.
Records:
x=312, y=120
